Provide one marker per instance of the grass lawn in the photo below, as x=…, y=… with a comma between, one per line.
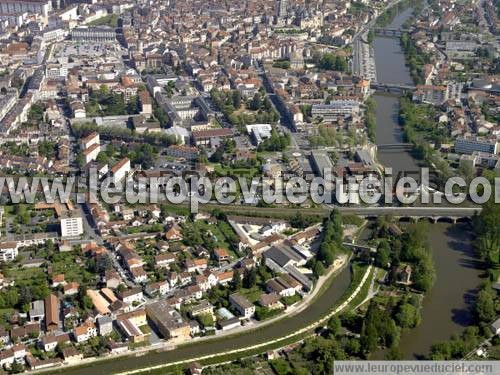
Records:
x=251, y=294
x=110, y=20
x=288, y=301
x=73, y=271
x=25, y=273
x=217, y=232
x=146, y=329
x=229, y=171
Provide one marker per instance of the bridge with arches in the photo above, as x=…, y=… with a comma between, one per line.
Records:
x=430, y=213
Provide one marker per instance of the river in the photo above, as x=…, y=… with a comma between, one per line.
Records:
x=446, y=308
x=323, y=303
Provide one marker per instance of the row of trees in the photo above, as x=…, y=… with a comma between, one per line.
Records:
x=415, y=59
x=421, y=130
x=370, y=120
x=330, y=245
x=123, y=134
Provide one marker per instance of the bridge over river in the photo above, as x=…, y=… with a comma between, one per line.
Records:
x=392, y=87
x=411, y=213
x=389, y=31
x=394, y=146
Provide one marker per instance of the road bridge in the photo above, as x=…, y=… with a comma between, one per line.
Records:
x=392, y=87
x=411, y=213
x=388, y=32
x=394, y=146
x=433, y=213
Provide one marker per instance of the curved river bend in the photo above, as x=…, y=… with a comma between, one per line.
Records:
x=446, y=307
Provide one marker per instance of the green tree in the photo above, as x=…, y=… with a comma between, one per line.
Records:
x=407, y=316
x=250, y=278
x=485, y=306
x=236, y=281
x=255, y=103
x=334, y=325
x=236, y=99
x=206, y=320
x=383, y=255
x=318, y=269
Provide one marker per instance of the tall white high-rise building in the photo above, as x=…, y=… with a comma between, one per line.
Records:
x=281, y=8
x=42, y=7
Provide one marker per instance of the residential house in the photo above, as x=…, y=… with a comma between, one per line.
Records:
x=49, y=343
x=242, y=305
x=71, y=288
x=132, y=295
x=164, y=260
x=280, y=286
x=221, y=255
x=202, y=307
x=37, y=311
x=58, y=280
x=105, y=325
x=225, y=277
x=71, y=355
x=51, y=313
x=85, y=332
x=270, y=301
x=196, y=265
x=158, y=288
x=174, y=233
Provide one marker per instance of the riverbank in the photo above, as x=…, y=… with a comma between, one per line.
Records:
x=445, y=310
x=260, y=337
x=359, y=288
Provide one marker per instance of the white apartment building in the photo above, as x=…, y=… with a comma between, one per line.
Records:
x=91, y=153
x=71, y=224
x=120, y=170
x=89, y=140
x=42, y=7
x=8, y=251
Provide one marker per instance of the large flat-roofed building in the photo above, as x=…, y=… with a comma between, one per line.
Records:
x=7, y=102
x=42, y=7
x=185, y=111
x=168, y=321
x=94, y=34
x=259, y=132
x=206, y=137
x=470, y=145
x=320, y=162
x=336, y=109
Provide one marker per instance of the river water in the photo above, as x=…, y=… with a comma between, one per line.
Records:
x=312, y=313
x=447, y=307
